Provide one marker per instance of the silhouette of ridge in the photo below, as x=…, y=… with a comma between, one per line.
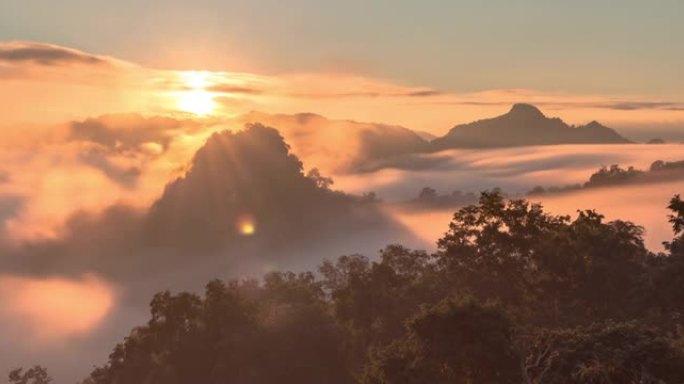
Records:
x=253, y=174
x=522, y=109
x=525, y=125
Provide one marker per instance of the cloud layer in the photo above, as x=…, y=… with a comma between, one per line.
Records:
x=94, y=84
x=46, y=54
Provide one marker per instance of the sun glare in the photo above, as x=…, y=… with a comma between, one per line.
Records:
x=196, y=99
x=196, y=79
x=198, y=102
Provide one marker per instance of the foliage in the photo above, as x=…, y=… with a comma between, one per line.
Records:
x=677, y=216
x=513, y=294
x=545, y=267
x=628, y=353
x=451, y=342
x=34, y=375
x=612, y=175
x=320, y=180
x=230, y=335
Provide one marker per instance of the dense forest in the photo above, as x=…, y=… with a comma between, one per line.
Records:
x=512, y=295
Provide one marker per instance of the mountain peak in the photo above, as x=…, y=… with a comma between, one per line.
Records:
x=594, y=124
x=523, y=109
x=524, y=125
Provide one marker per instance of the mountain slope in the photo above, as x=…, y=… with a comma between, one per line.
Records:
x=340, y=146
x=251, y=178
x=525, y=125
x=243, y=205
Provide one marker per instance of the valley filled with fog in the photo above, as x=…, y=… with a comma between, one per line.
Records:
x=114, y=256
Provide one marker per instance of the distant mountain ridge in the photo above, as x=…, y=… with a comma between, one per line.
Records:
x=525, y=125
x=340, y=145
x=346, y=146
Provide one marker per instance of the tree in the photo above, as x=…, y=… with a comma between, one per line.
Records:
x=375, y=298
x=34, y=375
x=667, y=271
x=490, y=248
x=512, y=295
x=612, y=175
x=544, y=267
x=300, y=341
x=188, y=339
x=427, y=194
x=369, y=197
x=280, y=331
x=677, y=217
x=320, y=180
x=455, y=341
x=604, y=353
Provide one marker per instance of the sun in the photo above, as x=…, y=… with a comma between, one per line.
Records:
x=196, y=99
x=196, y=79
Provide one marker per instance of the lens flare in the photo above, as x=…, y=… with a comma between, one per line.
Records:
x=246, y=225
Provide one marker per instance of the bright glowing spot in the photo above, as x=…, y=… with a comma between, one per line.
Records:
x=246, y=226
x=196, y=100
x=196, y=79
x=55, y=308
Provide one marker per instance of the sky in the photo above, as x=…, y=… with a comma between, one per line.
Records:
x=107, y=103
x=612, y=61
x=618, y=47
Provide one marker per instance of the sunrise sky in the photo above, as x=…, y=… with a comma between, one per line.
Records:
x=625, y=47
x=105, y=105
x=449, y=62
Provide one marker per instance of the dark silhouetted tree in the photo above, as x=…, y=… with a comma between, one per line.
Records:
x=33, y=375
x=427, y=193
x=543, y=267
x=320, y=180
x=612, y=175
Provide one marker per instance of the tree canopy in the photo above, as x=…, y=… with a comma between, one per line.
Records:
x=512, y=295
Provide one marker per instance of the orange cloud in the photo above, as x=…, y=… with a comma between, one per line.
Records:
x=54, y=309
x=75, y=84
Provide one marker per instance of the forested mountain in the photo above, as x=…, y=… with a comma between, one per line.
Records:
x=525, y=125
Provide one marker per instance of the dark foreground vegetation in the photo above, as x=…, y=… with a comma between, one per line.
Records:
x=513, y=295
